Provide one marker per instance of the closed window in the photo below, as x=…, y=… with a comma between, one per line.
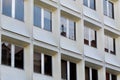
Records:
x=70, y=67
x=90, y=3
x=13, y=8
x=42, y=61
x=10, y=58
x=91, y=74
x=42, y=18
x=90, y=37
x=108, y=8
x=109, y=44
x=68, y=28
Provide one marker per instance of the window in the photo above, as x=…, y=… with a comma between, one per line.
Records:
x=109, y=44
x=110, y=76
x=68, y=28
x=108, y=8
x=8, y=55
x=13, y=8
x=90, y=3
x=72, y=70
x=42, y=61
x=90, y=37
x=91, y=74
x=42, y=18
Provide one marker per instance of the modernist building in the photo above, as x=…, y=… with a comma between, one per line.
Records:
x=60, y=39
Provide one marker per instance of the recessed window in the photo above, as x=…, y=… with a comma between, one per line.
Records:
x=13, y=8
x=7, y=59
x=42, y=61
x=90, y=3
x=70, y=67
x=108, y=8
x=90, y=37
x=91, y=74
x=68, y=28
x=42, y=18
x=110, y=76
x=109, y=44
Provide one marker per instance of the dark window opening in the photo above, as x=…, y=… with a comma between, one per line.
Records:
x=94, y=74
x=6, y=54
x=48, y=65
x=37, y=62
x=63, y=33
x=73, y=71
x=64, y=69
x=107, y=76
x=87, y=73
x=114, y=77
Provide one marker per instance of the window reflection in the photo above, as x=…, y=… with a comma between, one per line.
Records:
x=64, y=69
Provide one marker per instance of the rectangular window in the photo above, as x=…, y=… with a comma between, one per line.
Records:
x=90, y=37
x=90, y=3
x=64, y=69
x=19, y=57
x=47, y=20
x=70, y=67
x=91, y=74
x=48, y=65
x=109, y=44
x=8, y=50
x=7, y=7
x=37, y=16
x=110, y=76
x=108, y=8
x=73, y=71
x=6, y=53
x=68, y=28
x=19, y=10
x=37, y=62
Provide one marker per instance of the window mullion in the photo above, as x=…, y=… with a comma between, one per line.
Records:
x=88, y=3
x=107, y=8
x=13, y=8
x=68, y=70
x=42, y=63
x=110, y=76
x=89, y=35
x=42, y=18
x=12, y=55
x=90, y=72
x=1, y=1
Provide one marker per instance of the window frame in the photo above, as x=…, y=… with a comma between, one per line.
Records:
x=13, y=10
x=42, y=18
x=110, y=76
x=88, y=42
x=67, y=33
x=108, y=9
x=88, y=4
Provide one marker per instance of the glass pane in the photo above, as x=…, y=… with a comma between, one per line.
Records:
x=86, y=35
x=63, y=27
x=92, y=4
x=111, y=10
x=47, y=20
x=114, y=77
x=7, y=7
x=19, y=10
x=73, y=72
x=19, y=57
x=6, y=53
x=93, y=37
x=48, y=65
x=85, y=2
x=94, y=74
x=87, y=73
x=72, y=30
x=107, y=76
x=37, y=62
x=105, y=7
x=64, y=69
x=37, y=16
x=106, y=43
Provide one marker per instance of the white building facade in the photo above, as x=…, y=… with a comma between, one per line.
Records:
x=60, y=39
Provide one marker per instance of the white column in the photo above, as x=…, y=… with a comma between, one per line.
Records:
x=68, y=70
x=13, y=8
x=42, y=63
x=90, y=72
x=102, y=74
x=12, y=55
x=42, y=18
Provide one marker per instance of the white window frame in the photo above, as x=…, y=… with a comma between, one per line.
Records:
x=107, y=4
x=12, y=9
x=67, y=28
x=42, y=17
x=13, y=55
x=89, y=5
